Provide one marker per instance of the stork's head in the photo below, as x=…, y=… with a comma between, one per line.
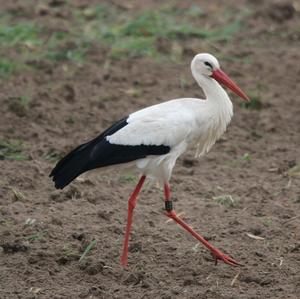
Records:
x=208, y=66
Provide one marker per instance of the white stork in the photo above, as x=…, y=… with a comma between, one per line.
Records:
x=154, y=137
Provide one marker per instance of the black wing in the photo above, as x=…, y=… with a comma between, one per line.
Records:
x=99, y=153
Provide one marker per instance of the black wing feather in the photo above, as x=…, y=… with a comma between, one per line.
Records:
x=100, y=153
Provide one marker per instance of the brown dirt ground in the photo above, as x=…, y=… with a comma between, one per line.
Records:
x=165, y=262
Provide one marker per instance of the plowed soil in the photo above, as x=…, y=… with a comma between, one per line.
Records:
x=243, y=196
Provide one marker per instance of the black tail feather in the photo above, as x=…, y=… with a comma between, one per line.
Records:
x=100, y=153
x=71, y=166
x=75, y=163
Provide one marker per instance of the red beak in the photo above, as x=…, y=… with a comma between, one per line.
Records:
x=222, y=78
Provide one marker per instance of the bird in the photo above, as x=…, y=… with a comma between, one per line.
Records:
x=153, y=138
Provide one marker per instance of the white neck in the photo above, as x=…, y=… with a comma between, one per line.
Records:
x=212, y=89
x=216, y=98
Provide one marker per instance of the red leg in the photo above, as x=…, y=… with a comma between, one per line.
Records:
x=131, y=205
x=218, y=255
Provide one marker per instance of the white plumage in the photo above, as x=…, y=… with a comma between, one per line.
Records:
x=179, y=123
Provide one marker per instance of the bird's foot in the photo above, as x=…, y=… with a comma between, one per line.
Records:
x=218, y=255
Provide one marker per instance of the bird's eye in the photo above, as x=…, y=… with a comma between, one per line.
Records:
x=208, y=64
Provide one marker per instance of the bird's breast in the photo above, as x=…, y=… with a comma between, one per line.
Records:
x=210, y=130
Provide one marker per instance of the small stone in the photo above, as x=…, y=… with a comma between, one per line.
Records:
x=135, y=247
x=16, y=246
x=281, y=11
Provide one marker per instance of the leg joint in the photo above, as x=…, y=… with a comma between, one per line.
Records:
x=131, y=205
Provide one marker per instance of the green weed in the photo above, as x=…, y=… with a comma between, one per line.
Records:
x=195, y=11
x=256, y=134
x=133, y=47
x=128, y=178
x=19, y=105
x=246, y=157
x=52, y=155
x=255, y=103
x=24, y=100
x=22, y=33
x=63, y=46
x=35, y=237
x=28, y=42
x=87, y=250
x=70, y=120
x=267, y=221
x=7, y=66
x=12, y=150
x=5, y=222
x=226, y=32
x=18, y=39
x=98, y=11
x=60, y=46
x=104, y=25
x=159, y=24
x=138, y=36
x=225, y=200
x=255, y=97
